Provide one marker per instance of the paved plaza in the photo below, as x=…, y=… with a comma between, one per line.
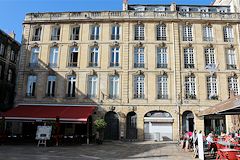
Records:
x=107, y=151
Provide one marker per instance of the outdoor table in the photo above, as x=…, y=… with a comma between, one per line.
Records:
x=227, y=153
x=238, y=157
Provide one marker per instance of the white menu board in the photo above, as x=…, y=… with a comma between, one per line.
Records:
x=43, y=132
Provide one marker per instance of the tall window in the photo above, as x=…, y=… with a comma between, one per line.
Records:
x=10, y=75
x=75, y=33
x=162, y=57
x=71, y=87
x=37, y=34
x=190, y=87
x=12, y=56
x=114, y=57
x=138, y=57
x=51, y=86
x=115, y=32
x=188, y=58
x=92, y=86
x=231, y=59
x=53, y=59
x=187, y=33
x=207, y=33
x=1, y=71
x=94, y=55
x=139, y=87
x=95, y=30
x=2, y=49
x=209, y=58
x=228, y=34
x=162, y=87
x=55, y=33
x=139, y=32
x=73, y=58
x=233, y=84
x=212, y=87
x=31, y=85
x=161, y=32
x=114, y=87
x=34, y=57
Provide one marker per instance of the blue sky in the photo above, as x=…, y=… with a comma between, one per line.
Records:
x=12, y=12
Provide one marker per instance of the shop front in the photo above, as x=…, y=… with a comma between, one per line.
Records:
x=70, y=124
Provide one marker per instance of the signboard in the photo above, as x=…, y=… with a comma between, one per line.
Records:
x=200, y=147
x=43, y=132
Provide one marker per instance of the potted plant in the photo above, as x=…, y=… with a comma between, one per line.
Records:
x=99, y=125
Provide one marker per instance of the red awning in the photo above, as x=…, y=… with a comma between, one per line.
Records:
x=65, y=113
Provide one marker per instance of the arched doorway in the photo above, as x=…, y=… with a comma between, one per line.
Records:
x=112, y=128
x=131, y=125
x=158, y=126
x=187, y=121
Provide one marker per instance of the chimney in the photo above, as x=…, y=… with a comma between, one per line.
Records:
x=125, y=5
x=12, y=34
x=173, y=7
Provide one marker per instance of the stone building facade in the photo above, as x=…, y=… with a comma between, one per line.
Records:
x=149, y=69
x=9, y=51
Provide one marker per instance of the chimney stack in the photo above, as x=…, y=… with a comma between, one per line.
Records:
x=125, y=5
x=12, y=34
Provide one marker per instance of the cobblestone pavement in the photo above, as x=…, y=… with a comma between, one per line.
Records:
x=107, y=151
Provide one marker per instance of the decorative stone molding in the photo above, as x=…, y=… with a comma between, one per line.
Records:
x=72, y=72
x=233, y=74
x=51, y=72
x=132, y=108
x=139, y=22
x=74, y=43
x=54, y=44
x=190, y=74
x=188, y=23
x=94, y=44
x=93, y=73
x=139, y=44
x=230, y=45
x=208, y=24
x=162, y=44
x=228, y=24
x=189, y=45
x=114, y=72
x=115, y=43
x=160, y=23
x=35, y=44
x=31, y=72
x=112, y=108
x=139, y=72
x=163, y=73
x=209, y=45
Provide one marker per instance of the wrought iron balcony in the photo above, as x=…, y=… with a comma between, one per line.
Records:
x=160, y=96
x=74, y=37
x=188, y=65
x=33, y=65
x=30, y=94
x=160, y=38
x=138, y=96
x=160, y=65
x=228, y=39
x=55, y=38
x=70, y=95
x=138, y=65
x=190, y=96
x=231, y=66
x=115, y=37
x=94, y=37
x=52, y=65
x=36, y=38
x=50, y=95
x=93, y=64
x=208, y=39
x=113, y=96
x=187, y=38
x=138, y=38
x=72, y=64
x=112, y=64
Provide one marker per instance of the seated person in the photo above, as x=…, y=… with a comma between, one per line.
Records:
x=211, y=144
